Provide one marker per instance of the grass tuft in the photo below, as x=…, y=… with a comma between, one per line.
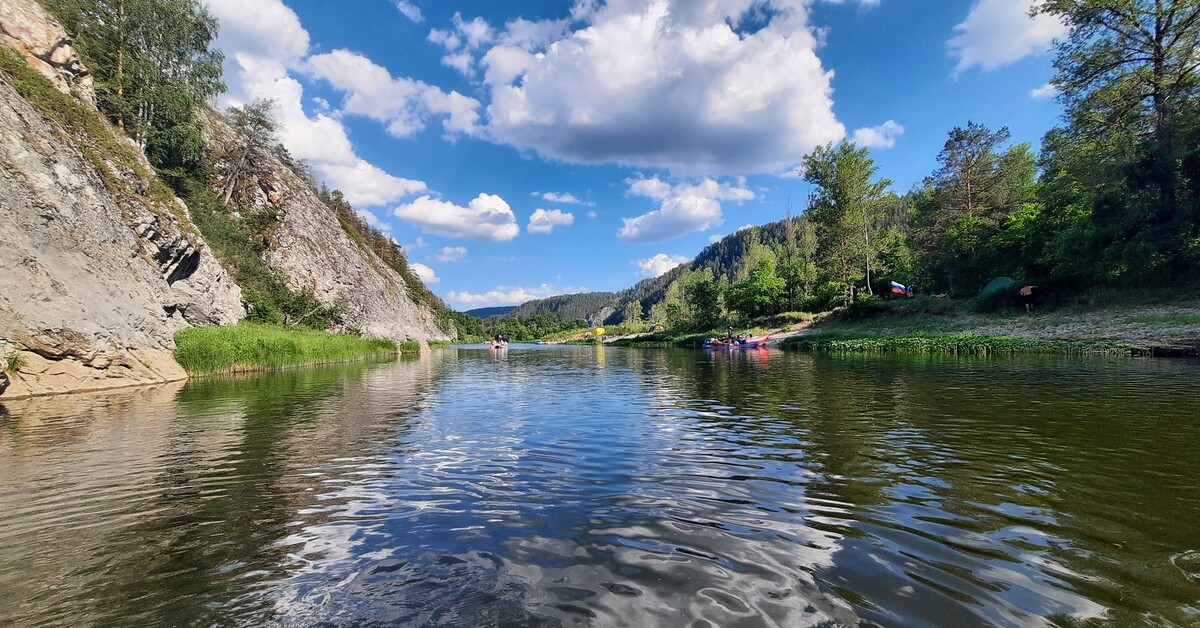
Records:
x=14, y=361
x=247, y=347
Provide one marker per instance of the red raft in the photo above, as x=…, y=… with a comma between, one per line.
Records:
x=748, y=344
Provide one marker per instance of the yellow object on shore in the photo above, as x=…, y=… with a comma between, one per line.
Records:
x=599, y=331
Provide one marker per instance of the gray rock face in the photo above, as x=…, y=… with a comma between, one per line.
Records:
x=26, y=28
x=311, y=250
x=94, y=283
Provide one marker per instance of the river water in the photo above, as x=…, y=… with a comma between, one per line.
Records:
x=600, y=486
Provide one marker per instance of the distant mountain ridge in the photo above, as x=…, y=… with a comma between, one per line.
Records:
x=488, y=312
x=594, y=307
x=722, y=258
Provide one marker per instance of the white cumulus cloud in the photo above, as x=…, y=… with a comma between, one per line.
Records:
x=555, y=197
x=426, y=273
x=409, y=10
x=676, y=84
x=659, y=264
x=504, y=295
x=367, y=184
x=402, y=104
x=488, y=217
x=997, y=33
x=683, y=208
x=452, y=254
x=463, y=41
x=1045, y=91
x=882, y=136
x=543, y=221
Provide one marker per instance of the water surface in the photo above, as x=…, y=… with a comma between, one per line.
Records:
x=601, y=486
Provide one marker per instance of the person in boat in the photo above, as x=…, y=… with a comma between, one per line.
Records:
x=729, y=334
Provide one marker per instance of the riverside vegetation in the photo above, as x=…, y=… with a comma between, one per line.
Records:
x=216, y=350
x=1106, y=213
x=1110, y=203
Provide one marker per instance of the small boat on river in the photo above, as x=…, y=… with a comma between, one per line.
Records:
x=746, y=344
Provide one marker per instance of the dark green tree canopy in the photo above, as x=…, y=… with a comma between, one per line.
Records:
x=153, y=64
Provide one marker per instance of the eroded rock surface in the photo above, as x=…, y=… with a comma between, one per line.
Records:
x=96, y=277
x=311, y=250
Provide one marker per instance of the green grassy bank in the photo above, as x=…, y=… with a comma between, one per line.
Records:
x=950, y=328
x=947, y=344
x=927, y=326
x=248, y=347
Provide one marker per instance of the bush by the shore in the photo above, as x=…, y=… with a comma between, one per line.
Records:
x=248, y=347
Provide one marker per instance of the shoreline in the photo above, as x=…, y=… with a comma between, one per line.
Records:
x=927, y=326
x=237, y=371
x=253, y=369
x=975, y=345
x=205, y=352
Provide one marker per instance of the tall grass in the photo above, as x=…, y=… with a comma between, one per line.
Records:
x=13, y=362
x=211, y=350
x=951, y=344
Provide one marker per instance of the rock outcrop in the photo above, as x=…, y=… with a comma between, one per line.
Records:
x=97, y=273
x=309, y=247
x=27, y=29
x=100, y=265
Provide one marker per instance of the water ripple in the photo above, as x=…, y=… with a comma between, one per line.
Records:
x=613, y=487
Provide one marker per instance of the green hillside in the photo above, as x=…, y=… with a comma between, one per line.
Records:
x=488, y=312
x=594, y=307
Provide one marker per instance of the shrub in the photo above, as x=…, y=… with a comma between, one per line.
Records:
x=827, y=296
x=922, y=305
x=865, y=305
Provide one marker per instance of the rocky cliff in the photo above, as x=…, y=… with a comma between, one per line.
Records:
x=100, y=264
x=313, y=251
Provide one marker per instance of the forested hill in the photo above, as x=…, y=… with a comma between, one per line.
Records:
x=488, y=312
x=594, y=307
x=723, y=259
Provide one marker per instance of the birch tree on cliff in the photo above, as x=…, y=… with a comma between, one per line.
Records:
x=153, y=65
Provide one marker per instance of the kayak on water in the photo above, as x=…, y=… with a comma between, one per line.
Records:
x=748, y=344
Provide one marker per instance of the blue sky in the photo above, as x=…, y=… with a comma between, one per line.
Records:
x=520, y=150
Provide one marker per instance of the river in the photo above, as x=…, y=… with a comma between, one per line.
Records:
x=602, y=486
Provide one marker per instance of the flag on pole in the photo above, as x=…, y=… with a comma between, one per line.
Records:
x=898, y=288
